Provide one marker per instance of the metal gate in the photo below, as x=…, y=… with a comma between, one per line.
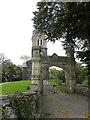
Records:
x=51, y=85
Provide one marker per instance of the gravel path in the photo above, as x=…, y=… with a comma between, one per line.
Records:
x=62, y=105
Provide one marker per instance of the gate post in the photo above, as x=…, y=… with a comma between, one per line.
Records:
x=70, y=72
x=36, y=66
x=36, y=61
x=38, y=49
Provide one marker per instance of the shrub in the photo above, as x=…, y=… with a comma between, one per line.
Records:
x=25, y=107
x=4, y=113
x=85, y=83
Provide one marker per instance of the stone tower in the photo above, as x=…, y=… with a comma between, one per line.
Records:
x=39, y=48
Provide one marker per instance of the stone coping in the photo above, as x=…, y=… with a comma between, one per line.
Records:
x=6, y=96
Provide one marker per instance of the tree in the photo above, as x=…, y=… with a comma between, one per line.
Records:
x=61, y=75
x=81, y=73
x=25, y=58
x=2, y=59
x=10, y=71
x=53, y=73
x=70, y=21
x=57, y=74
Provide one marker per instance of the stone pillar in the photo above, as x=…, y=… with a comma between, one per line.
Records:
x=39, y=48
x=70, y=72
x=45, y=76
x=41, y=85
x=36, y=67
x=70, y=78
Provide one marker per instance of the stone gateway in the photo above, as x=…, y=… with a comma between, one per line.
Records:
x=41, y=63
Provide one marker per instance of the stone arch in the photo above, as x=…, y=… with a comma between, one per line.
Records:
x=62, y=62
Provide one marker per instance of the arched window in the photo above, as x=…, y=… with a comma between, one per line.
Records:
x=38, y=42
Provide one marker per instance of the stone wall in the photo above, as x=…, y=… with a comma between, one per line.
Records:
x=82, y=90
x=5, y=104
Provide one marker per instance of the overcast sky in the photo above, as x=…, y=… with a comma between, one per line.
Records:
x=16, y=29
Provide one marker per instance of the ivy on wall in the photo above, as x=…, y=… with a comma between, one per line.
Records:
x=25, y=106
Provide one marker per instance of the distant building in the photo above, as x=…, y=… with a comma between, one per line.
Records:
x=27, y=70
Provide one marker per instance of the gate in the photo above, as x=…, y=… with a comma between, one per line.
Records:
x=51, y=85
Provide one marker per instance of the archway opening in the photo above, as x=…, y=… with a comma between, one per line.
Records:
x=55, y=80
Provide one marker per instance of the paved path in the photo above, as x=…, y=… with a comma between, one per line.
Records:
x=62, y=105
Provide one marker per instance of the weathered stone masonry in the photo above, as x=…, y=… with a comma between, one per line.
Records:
x=41, y=63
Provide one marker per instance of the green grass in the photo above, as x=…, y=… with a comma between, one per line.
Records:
x=13, y=87
x=61, y=87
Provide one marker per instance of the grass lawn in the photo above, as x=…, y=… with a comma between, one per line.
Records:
x=12, y=87
x=61, y=87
